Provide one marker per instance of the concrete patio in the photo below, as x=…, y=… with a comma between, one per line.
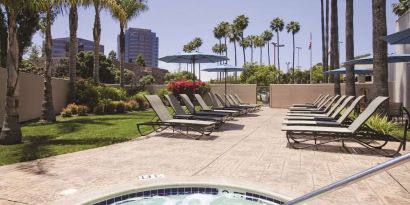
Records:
x=250, y=150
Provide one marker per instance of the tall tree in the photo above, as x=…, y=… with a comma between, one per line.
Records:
x=324, y=49
x=350, y=81
x=113, y=6
x=245, y=44
x=401, y=8
x=129, y=10
x=260, y=43
x=241, y=22
x=267, y=37
x=3, y=38
x=72, y=58
x=293, y=27
x=233, y=38
x=380, y=71
x=335, y=45
x=277, y=25
x=11, y=131
x=225, y=30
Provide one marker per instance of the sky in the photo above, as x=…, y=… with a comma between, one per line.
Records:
x=179, y=21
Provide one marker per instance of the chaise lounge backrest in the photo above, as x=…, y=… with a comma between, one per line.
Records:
x=188, y=103
x=214, y=100
x=369, y=111
x=347, y=112
x=336, y=105
x=159, y=107
x=175, y=104
x=201, y=102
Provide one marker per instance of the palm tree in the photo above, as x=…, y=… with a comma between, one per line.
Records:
x=293, y=27
x=277, y=25
x=72, y=58
x=218, y=33
x=401, y=8
x=350, y=81
x=130, y=10
x=251, y=39
x=324, y=49
x=233, y=38
x=98, y=6
x=196, y=43
x=267, y=37
x=380, y=71
x=225, y=30
x=241, y=23
x=245, y=44
x=260, y=43
x=334, y=58
x=11, y=131
x=327, y=39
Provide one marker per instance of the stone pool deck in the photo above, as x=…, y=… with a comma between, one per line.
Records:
x=250, y=150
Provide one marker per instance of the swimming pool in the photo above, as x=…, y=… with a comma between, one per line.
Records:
x=189, y=194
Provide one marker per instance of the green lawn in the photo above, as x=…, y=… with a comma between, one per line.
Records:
x=73, y=134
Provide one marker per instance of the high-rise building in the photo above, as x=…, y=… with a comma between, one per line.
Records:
x=140, y=41
x=61, y=46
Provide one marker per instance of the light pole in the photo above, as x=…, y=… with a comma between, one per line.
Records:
x=275, y=45
x=298, y=56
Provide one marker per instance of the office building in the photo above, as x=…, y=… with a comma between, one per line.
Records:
x=61, y=46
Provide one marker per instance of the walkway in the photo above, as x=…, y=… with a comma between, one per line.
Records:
x=251, y=149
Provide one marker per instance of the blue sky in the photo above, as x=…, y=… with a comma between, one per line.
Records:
x=179, y=21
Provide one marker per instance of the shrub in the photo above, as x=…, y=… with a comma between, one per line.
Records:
x=146, y=80
x=134, y=104
x=86, y=93
x=188, y=87
x=142, y=102
x=82, y=110
x=111, y=93
x=73, y=108
x=110, y=107
x=128, y=107
x=381, y=124
x=99, y=109
x=66, y=112
x=120, y=107
x=161, y=93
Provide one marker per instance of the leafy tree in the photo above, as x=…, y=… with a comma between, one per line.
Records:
x=317, y=73
x=146, y=80
x=401, y=8
x=34, y=53
x=112, y=55
x=85, y=62
x=140, y=60
x=261, y=75
x=184, y=75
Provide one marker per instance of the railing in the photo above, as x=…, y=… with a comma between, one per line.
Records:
x=351, y=179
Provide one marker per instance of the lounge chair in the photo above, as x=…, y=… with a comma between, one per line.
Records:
x=233, y=101
x=165, y=120
x=332, y=107
x=357, y=131
x=217, y=104
x=240, y=101
x=206, y=108
x=314, y=103
x=181, y=114
x=221, y=113
x=228, y=105
x=332, y=117
x=323, y=106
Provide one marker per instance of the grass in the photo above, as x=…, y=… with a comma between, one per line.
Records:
x=72, y=135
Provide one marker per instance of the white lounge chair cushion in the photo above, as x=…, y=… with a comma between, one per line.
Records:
x=191, y=122
x=309, y=122
x=316, y=129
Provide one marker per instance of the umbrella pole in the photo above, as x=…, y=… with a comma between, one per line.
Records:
x=225, y=87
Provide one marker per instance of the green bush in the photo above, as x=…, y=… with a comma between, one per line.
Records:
x=146, y=80
x=82, y=110
x=111, y=93
x=128, y=107
x=73, y=108
x=120, y=107
x=142, y=102
x=134, y=105
x=110, y=107
x=86, y=93
x=66, y=112
x=381, y=124
x=99, y=109
x=161, y=93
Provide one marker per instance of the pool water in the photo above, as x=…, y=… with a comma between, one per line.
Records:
x=196, y=199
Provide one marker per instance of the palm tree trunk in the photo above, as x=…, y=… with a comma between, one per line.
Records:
x=335, y=45
x=251, y=54
x=268, y=54
x=324, y=52
x=11, y=131
x=72, y=62
x=226, y=51
x=47, y=109
x=260, y=55
x=350, y=81
x=236, y=60
x=122, y=54
x=277, y=38
x=293, y=58
x=97, y=38
x=380, y=71
x=327, y=41
x=244, y=54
